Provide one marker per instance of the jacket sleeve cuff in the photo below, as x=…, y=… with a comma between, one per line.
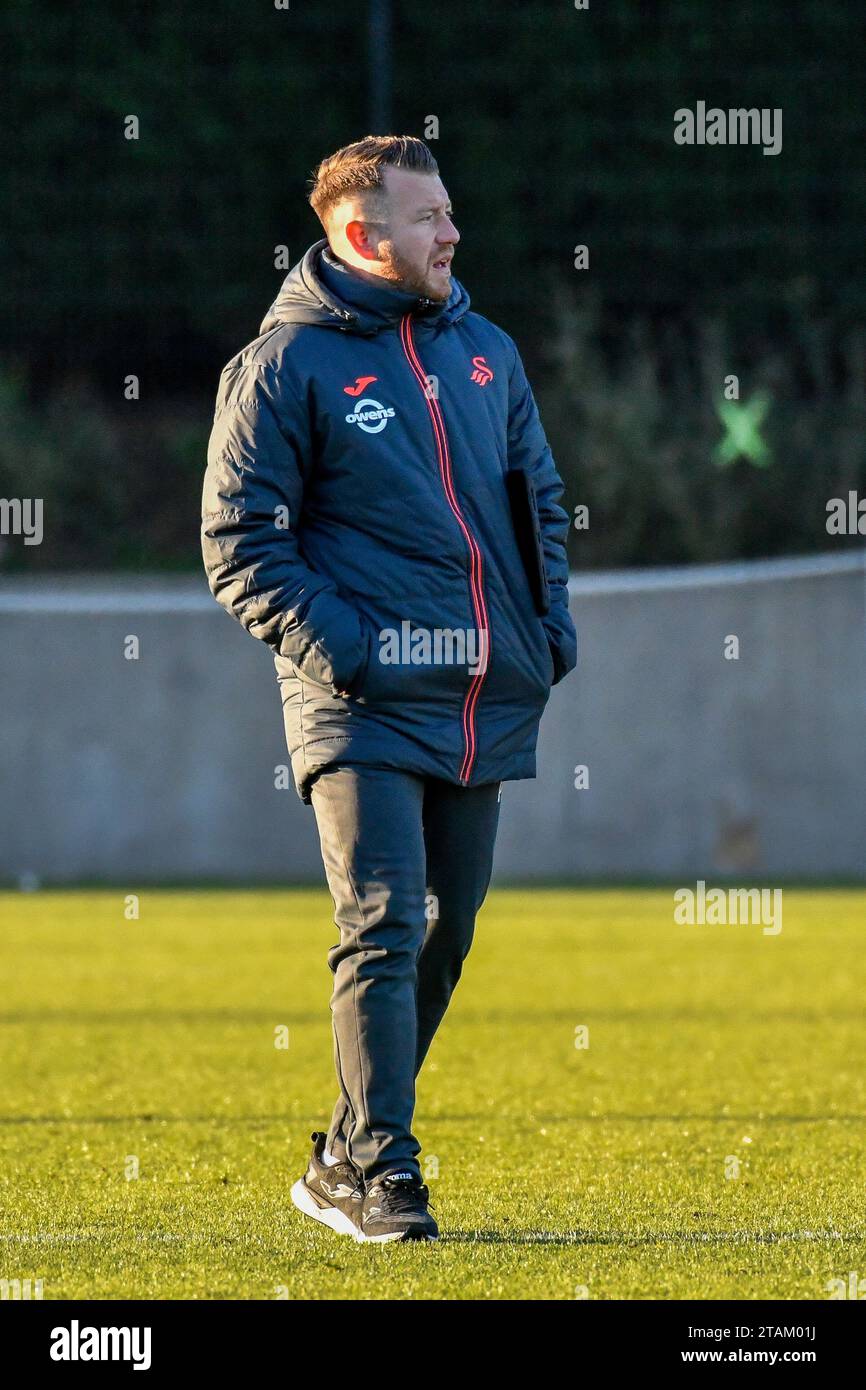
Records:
x=562, y=640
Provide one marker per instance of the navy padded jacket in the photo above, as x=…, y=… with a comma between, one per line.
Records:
x=354, y=501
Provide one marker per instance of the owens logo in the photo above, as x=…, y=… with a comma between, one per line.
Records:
x=482, y=374
x=360, y=383
x=370, y=416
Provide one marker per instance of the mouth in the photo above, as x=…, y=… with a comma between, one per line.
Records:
x=443, y=264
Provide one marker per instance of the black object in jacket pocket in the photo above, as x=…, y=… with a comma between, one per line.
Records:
x=527, y=531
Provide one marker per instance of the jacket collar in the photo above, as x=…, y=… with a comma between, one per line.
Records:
x=384, y=301
x=320, y=290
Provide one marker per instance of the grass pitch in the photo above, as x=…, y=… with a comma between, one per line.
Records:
x=708, y=1143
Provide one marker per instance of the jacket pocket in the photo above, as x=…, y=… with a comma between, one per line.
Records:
x=338, y=671
x=522, y=665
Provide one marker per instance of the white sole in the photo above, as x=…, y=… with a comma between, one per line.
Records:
x=335, y=1219
x=329, y=1216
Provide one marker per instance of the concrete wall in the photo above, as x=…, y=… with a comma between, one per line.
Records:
x=163, y=768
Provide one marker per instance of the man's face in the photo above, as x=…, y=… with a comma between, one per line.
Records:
x=418, y=238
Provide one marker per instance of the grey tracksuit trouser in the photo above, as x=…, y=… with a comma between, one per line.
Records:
x=408, y=861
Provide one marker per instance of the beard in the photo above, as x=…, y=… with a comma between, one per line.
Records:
x=400, y=273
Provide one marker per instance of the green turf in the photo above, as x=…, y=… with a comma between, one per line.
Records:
x=559, y=1170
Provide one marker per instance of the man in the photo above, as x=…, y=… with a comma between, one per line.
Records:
x=358, y=520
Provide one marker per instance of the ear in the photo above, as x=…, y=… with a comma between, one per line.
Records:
x=359, y=240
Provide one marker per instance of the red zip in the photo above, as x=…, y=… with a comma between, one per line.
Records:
x=476, y=570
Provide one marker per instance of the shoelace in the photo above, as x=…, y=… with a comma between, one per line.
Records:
x=344, y=1172
x=401, y=1196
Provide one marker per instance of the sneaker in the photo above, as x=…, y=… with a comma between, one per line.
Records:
x=330, y=1193
x=395, y=1208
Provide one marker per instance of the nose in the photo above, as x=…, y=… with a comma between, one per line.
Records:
x=449, y=234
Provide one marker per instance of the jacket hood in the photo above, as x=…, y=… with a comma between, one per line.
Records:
x=322, y=292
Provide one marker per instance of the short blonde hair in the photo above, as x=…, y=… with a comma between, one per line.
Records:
x=359, y=168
